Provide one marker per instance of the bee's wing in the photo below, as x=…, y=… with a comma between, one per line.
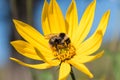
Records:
x=50, y=35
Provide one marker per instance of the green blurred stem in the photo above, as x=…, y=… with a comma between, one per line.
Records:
x=72, y=75
x=29, y=6
x=33, y=73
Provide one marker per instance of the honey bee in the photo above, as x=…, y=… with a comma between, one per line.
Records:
x=58, y=41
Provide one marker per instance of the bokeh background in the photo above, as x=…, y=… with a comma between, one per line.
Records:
x=29, y=11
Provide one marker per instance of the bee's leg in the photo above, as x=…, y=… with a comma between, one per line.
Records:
x=66, y=45
x=56, y=47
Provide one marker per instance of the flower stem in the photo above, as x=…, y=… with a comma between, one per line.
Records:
x=72, y=75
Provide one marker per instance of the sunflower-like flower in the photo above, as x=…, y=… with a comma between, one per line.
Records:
x=68, y=46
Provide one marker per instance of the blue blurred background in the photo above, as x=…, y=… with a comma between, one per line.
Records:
x=29, y=11
x=5, y=31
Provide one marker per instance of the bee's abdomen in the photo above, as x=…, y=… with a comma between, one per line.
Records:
x=54, y=41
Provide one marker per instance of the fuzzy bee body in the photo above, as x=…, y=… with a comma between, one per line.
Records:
x=59, y=41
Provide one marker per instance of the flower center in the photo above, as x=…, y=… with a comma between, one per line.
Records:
x=61, y=46
x=65, y=53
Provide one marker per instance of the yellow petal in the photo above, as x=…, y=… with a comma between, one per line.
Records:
x=26, y=30
x=56, y=19
x=90, y=45
x=35, y=66
x=104, y=22
x=93, y=43
x=81, y=67
x=84, y=59
x=33, y=37
x=45, y=22
x=64, y=71
x=72, y=18
x=85, y=24
x=25, y=49
x=48, y=58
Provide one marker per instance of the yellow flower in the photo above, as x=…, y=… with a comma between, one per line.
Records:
x=77, y=52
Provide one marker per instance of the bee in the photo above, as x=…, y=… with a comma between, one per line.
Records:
x=58, y=41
